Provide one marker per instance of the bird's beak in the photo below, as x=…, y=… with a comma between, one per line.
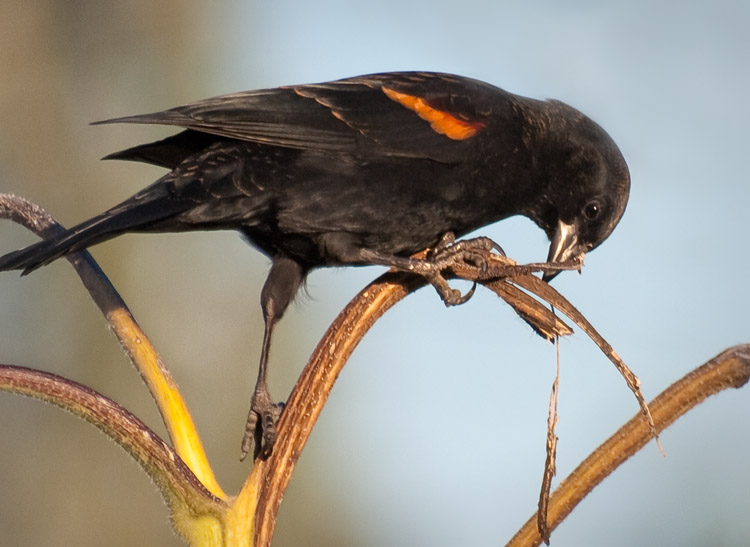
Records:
x=564, y=245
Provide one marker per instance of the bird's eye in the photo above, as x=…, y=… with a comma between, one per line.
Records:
x=593, y=209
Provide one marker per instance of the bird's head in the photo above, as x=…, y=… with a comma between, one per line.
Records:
x=585, y=179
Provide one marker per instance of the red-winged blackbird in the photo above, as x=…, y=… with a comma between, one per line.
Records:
x=366, y=170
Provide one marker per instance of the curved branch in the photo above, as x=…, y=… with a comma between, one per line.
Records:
x=183, y=492
x=264, y=488
x=731, y=368
x=144, y=356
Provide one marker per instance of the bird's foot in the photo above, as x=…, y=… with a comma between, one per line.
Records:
x=449, y=252
x=260, y=429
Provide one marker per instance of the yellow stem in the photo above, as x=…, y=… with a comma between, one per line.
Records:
x=168, y=399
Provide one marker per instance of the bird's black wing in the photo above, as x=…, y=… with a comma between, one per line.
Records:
x=408, y=114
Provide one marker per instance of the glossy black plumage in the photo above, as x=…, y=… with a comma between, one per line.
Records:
x=367, y=170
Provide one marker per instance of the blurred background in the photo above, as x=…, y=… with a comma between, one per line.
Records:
x=435, y=432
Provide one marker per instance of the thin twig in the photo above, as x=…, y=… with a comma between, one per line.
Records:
x=550, y=464
x=549, y=294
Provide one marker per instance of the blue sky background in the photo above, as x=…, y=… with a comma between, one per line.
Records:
x=434, y=434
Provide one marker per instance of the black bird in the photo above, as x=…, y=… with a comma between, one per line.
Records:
x=365, y=170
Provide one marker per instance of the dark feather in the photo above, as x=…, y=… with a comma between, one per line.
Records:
x=169, y=152
x=346, y=116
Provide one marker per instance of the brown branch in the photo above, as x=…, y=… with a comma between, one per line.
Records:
x=180, y=488
x=270, y=478
x=731, y=368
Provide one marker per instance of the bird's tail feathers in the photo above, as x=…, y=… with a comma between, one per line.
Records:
x=129, y=216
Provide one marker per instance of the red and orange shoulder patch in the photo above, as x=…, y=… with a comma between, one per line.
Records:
x=440, y=121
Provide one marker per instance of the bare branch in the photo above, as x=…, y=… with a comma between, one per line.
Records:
x=184, y=493
x=271, y=477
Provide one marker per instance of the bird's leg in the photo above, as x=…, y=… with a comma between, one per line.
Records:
x=278, y=291
x=260, y=428
x=446, y=253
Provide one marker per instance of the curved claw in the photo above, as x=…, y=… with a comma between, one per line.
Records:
x=451, y=296
x=458, y=298
x=498, y=248
x=486, y=244
x=465, y=298
x=447, y=253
